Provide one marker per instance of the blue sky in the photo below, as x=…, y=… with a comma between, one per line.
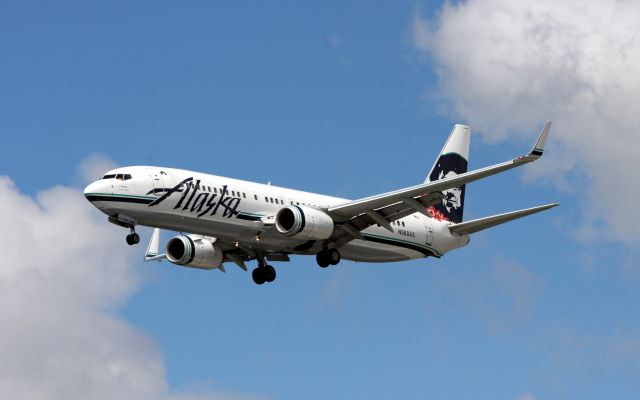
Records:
x=342, y=98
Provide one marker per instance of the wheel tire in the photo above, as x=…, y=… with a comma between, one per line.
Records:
x=269, y=273
x=136, y=238
x=333, y=256
x=322, y=259
x=258, y=276
x=130, y=240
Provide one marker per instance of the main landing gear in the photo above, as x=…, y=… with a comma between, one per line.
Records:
x=133, y=237
x=328, y=257
x=264, y=272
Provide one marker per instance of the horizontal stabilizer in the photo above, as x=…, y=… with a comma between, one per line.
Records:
x=488, y=222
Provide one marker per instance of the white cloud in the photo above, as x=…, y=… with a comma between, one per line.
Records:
x=94, y=166
x=65, y=274
x=506, y=66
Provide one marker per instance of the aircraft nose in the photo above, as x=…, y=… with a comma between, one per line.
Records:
x=92, y=188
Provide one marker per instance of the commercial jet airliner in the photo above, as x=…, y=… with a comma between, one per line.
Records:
x=225, y=220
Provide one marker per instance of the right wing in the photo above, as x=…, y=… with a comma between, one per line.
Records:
x=414, y=198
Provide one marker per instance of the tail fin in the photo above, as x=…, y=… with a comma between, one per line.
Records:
x=452, y=161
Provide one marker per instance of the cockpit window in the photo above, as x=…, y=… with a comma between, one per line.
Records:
x=123, y=177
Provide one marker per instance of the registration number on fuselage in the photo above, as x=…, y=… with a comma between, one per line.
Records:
x=404, y=232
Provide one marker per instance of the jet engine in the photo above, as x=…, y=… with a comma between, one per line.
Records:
x=303, y=222
x=194, y=251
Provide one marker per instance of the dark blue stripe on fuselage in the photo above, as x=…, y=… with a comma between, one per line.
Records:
x=94, y=197
x=405, y=245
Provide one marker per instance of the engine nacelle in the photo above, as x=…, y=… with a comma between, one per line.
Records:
x=194, y=251
x=304, y=222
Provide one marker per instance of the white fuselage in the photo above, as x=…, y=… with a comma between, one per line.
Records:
x=243, y=214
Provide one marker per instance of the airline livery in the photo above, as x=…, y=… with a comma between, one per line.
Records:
x=226, y=220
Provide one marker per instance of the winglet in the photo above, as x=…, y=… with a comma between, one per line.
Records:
x=538, y=148
x=153, y=248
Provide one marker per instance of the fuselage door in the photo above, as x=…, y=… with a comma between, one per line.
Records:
x=429, y=233
x=157, y=181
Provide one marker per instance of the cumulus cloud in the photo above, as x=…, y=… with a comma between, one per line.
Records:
x=65, y=274
x=506, y=66
x=96, y=164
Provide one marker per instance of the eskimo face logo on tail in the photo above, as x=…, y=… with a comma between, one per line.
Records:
x=196, y=200
x=448, y=166
x=452, y=197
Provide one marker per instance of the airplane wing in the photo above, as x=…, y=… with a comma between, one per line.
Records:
x=477, y=225
x=414, y=199
x=153, y=248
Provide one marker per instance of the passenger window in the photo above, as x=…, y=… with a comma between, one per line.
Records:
x=266, y=199
x=271, y=198
x=215, y=189
x=255, y=196
x=244, y=195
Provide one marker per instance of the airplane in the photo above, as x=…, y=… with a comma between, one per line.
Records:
x=223, y=220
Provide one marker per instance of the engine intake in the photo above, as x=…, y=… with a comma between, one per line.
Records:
x=194, y=251
x=304, y=223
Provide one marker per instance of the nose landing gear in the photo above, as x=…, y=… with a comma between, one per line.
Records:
x=126, y=222
x=133, y=238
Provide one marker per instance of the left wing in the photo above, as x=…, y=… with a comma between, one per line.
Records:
x=413, y=198
x=152, y=249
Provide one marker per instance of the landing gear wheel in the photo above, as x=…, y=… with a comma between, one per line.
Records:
x=328, y=257
x=259, y=276
x=269, y=273
x=133, y=238
x=322, y=259
x=333, y=256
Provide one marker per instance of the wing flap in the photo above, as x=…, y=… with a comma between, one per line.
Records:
x=477, y=225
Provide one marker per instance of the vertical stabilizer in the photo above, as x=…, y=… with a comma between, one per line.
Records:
x=452, y=161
